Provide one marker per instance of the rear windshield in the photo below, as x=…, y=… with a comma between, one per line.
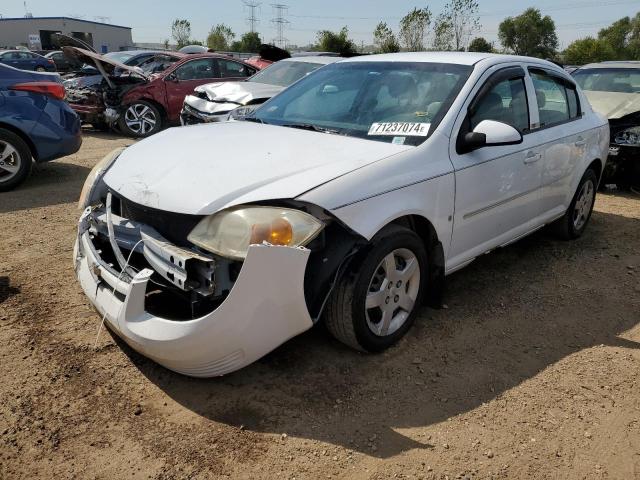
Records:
x=622, y=80
x=284, y=74
x=121, y=57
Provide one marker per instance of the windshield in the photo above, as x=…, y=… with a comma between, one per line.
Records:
x=157, y=63
x=121, y=57
x=284, y=74
x=394, y=102
x=622, y=80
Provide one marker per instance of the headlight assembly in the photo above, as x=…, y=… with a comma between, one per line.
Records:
x=229, y=233
x=89, y=191
x=629, y=136
x=241, y=112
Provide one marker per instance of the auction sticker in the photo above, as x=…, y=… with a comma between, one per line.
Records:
x=400, y=128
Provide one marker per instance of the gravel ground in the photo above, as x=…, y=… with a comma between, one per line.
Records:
x=531, y=372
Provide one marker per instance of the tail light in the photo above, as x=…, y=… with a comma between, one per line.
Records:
x=51, y=89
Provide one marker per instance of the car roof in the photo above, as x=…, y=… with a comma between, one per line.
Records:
x=146, y=52
x=613, y=64
x=459, y=58
x=312, y=59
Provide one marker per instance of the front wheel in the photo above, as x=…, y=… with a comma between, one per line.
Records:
x=375, y=302
x=140, y=119
x=574, y=222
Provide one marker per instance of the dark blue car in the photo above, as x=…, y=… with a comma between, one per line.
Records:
x=25, y=60
x=35, y=123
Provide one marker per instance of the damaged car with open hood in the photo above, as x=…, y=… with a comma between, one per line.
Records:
x=217, y=102
x=375, y=178
x=142, y=100
x=613, y=88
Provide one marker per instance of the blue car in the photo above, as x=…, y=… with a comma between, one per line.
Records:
x=35, y=123
x=25, y=60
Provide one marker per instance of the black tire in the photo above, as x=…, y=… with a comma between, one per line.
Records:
x=566, y=226
x=347, y=318
x=128, y=119
x=21, y=157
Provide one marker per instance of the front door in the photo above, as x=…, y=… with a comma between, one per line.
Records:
x=182, y=80
x=497, y=187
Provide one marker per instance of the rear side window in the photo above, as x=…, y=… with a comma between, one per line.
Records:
x=557, y=98
x=505, y=102
x=229, y=69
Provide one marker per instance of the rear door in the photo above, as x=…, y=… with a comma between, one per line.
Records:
x=182, y=80
x=562, y=134
x=28, y=61
x=497, y=187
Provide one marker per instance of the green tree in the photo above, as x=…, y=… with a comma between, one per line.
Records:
x=166, y=44
x=458, y=20
x=220, y=37
x=340, y=42
x=588, y=50
x=181, y=31
x=623, y=36
x=443, y=37
x=249, y=42
x=480, y=44
x=413, y=28
x=384, y=39
x=529, y=34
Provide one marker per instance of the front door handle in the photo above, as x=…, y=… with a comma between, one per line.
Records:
x=532, y=157
x=580, y=143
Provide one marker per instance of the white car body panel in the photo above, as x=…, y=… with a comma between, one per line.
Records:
x=147, y=172
x=476, y=201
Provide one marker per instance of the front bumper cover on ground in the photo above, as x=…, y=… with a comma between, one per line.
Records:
x=265, y=308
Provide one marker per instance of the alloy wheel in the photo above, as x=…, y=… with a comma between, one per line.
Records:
x=583, y=205
x=9, y=161
x=392, y=292
x=140, y=119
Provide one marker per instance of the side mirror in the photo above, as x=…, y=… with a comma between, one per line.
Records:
x=489, y=133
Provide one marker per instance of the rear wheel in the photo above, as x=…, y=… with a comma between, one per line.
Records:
x=575, y=220
x=375, y=303
x=140, y=119
x=15, y=160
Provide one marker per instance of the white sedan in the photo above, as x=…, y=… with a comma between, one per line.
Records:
x=346, y=198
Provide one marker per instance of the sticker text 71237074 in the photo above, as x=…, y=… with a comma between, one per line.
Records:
x=410, y=129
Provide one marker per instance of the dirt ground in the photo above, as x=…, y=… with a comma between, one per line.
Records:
x=533, y=370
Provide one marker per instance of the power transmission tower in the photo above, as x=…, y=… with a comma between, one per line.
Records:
x=252, y=20
x=279, y=10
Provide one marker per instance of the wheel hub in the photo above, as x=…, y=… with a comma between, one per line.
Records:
x=392, y=292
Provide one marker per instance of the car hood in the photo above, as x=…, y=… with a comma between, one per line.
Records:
x=204, y=168
x=107, y=64
x=613, y=104
x=241, y=93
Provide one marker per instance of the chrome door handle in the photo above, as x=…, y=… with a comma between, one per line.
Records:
x=532, y=157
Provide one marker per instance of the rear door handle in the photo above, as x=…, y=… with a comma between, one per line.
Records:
x=580, y=143
x=532, y=157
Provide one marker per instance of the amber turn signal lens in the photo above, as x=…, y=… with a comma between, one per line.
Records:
x=278, y=232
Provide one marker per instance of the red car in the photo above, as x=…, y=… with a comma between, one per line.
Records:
x=143, y=100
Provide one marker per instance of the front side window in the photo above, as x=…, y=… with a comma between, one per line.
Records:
x=553, y=105
x=196, y=70
x=505, y=102
x=372, y=100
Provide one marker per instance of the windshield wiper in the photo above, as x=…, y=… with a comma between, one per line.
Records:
x=311, y=127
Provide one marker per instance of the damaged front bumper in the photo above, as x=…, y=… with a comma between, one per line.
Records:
x=198, y=110
x=264, y=308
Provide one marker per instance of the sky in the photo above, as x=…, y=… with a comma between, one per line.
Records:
x=151, y=20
